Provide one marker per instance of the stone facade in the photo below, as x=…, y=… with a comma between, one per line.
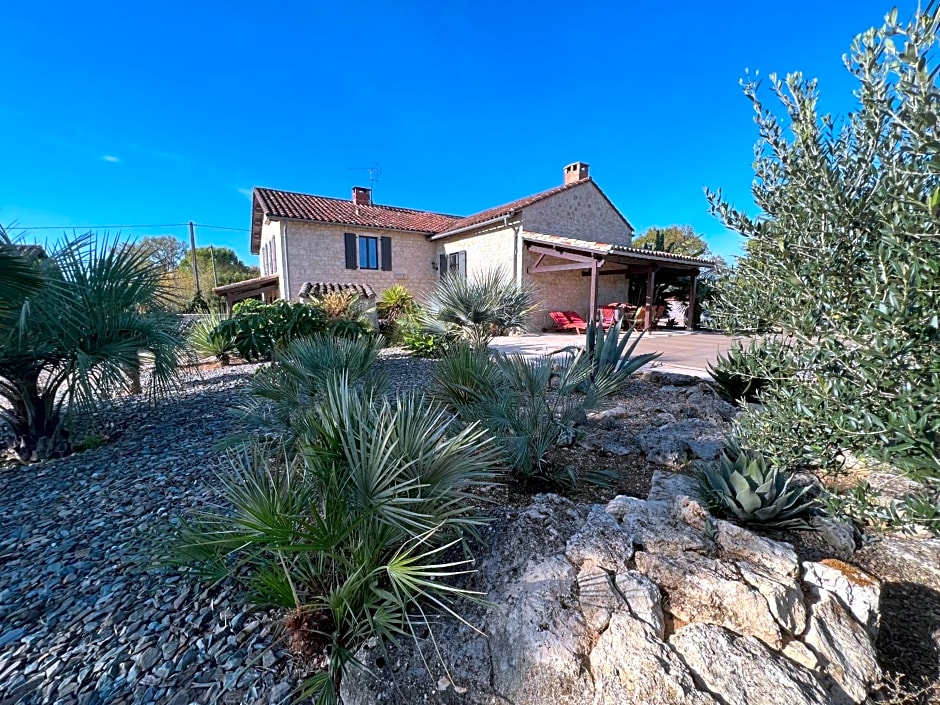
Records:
x=582, y=212
x=487, y=248
x=316, y=253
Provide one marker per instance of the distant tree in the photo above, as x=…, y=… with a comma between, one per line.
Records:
x=228, y=267
x=165, y=250
x=676, y=239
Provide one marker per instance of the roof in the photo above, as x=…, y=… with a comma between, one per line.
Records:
x=247, y=285
x=514, y=207
x=315, y=289
x=288, y=205
x=607, y=249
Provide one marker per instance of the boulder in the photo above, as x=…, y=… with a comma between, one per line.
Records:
x=858, y=591
x=845, y=650
x=688, y=439
x=727, y=665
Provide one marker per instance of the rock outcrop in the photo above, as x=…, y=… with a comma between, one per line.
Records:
x=639, y=601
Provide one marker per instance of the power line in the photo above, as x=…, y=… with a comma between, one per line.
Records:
x=127, y=227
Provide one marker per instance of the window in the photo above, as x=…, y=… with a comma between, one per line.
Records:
x=368, y=253
x=454, y=263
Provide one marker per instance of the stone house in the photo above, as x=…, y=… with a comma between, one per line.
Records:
x=570, y=241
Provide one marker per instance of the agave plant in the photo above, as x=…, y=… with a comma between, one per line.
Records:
x=742, y=373
x=744, y=487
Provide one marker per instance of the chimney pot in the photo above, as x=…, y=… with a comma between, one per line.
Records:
x=576, y=172
x=362, y=196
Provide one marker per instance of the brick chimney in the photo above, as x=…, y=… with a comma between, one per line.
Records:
x=362, y=196
x=576, y=172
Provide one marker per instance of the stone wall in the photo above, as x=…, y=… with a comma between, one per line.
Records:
x=316, y=253
x=272, y=243
x=582, y=213
x=492, y=247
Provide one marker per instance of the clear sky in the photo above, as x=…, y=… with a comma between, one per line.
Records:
x=119, y=113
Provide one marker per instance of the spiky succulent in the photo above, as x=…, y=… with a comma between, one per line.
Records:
x=744, y=487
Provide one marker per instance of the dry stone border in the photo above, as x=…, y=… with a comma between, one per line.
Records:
x=642, y=601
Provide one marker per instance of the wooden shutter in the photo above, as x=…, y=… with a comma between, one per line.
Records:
x=462, y=263
x=443, y=260
x=351, y=255
x=386, y=243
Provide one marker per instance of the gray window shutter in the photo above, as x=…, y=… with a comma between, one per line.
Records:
x=351, y=255
x=443, y=266
x=386, y=254
x=462, y=263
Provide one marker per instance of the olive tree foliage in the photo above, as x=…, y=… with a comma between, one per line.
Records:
x=842, y=267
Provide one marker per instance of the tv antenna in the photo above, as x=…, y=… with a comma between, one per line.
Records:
x=374, y=172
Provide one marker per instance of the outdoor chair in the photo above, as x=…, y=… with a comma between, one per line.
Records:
x=568, y=320
x=608, y=316
x=640, y=317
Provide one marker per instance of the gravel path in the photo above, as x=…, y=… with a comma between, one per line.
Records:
x=84, y=617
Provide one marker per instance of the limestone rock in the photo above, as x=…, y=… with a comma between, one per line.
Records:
x=683, y=440
x=601, y=541
x=843, y=646
x=667, y=486
x=630, y=664
x=855, y=589
x=643, y=600
x=703, y=589
x=743, y=671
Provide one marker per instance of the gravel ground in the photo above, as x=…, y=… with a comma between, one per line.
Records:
x=84, y=617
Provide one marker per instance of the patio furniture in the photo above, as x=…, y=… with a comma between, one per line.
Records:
x=640, y=317
x=609, y=316
x=568, y=320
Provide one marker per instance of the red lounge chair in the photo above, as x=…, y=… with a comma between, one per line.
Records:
x=568, y=320
x=608, y=316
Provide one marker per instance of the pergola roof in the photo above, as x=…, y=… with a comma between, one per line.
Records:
x=622, y=253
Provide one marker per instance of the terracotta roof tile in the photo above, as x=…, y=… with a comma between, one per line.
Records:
x=314, y=289
x=302, y=206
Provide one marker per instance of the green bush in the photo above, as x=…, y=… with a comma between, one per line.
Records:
x=395, y=307
x=257, y=330
x=844, y=261
x=424, y=343
x=352, y=533
x=744, y=487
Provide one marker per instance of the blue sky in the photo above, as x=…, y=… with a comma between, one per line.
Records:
x=125, y=113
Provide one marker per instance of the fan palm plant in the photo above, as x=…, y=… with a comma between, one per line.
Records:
x=479, y=307
x=18, y=275
x=78, y=339
x=352, y=533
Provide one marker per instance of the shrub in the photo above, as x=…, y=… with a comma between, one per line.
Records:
x=351, y=534
x=745, y=488
x=424, y=343
x=844, y=260
x=208, y=340
x=342, y=306
x=257, y=330
x=873, y=512
x=479, y=307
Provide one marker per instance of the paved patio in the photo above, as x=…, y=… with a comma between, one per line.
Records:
x=682, y=351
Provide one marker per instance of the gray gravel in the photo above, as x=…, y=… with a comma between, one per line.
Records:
x=84, y=616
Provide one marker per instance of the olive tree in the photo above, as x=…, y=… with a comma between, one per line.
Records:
x=841, y=267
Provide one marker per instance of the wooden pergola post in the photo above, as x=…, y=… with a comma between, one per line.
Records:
x=690, y=312
x=592, y=316
x=650, y=292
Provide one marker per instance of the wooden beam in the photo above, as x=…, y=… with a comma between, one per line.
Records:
x=552, y=252
x=650, y=291
x=593, y=313
x=538, y=269
x=626, y=271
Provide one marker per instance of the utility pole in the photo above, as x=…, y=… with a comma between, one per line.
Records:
x=192, y=245
x=215, y=276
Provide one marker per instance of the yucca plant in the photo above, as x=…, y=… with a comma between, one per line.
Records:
x=352, y=534
x=208, y=340
x=743, y=486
